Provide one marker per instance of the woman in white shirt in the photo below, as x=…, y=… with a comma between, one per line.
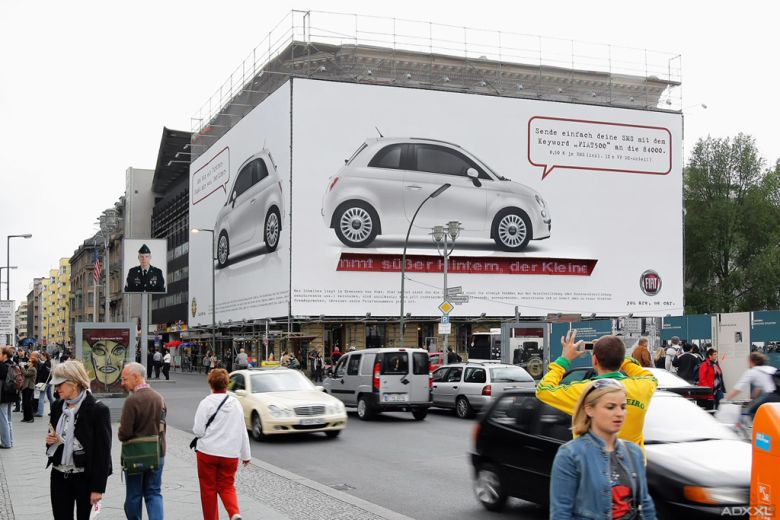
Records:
x=221, y=442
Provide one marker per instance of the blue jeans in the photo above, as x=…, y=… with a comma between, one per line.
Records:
x=144, y=487
x=46, y=394
x=6, y=425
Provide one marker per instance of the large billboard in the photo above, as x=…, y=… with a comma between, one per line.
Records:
x=105, y=348
x=239, y=196
x=562, y=207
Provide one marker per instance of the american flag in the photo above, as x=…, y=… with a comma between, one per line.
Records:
x=96, y=272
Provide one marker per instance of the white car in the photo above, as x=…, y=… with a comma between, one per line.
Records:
x=280, y=400
x=252, y=214
x=380, y=188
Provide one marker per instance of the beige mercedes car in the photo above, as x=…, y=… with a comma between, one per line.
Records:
x=280, y=400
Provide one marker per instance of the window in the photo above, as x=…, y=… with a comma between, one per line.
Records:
x=244, y=180
x=237, y=382
x=261, y=171
x=395, y=363
x=438, y=159
x=453, y=376
x=353, y=365
x=475, y=375
x=517, y=412
x=388, y=157
x=420, y=363
x=339, y=371
x=554, y=423
x=510, y=375
x=440, y=374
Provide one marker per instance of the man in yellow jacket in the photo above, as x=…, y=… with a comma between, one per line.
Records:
x=609, y=360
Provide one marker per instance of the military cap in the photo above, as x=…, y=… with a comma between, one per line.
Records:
x=144, y=250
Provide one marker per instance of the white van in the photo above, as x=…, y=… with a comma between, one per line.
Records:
x=378, y=380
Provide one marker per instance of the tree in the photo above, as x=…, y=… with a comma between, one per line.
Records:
x=732, y=228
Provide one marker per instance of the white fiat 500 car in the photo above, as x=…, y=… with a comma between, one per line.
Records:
x=280, y=400
x=380, y=188
x=252, y=214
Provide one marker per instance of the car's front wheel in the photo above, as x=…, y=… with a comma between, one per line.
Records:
x=272, y=229
x=511, y=229
x=488, y=488
x=419, y=414
x=223, y=249
x=257, y=427
x=356, y=223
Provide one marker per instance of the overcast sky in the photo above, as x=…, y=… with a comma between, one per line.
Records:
x=87, y=86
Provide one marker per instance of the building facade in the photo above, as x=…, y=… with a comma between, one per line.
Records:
x=34, y=309
x=21, y=321
x=55, y=305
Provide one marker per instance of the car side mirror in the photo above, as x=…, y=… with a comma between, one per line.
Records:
x=473, y=174
x=320, y=388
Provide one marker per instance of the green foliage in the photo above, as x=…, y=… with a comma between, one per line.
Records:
x=732, y=228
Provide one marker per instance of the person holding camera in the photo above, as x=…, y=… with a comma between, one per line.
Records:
x=78, y=444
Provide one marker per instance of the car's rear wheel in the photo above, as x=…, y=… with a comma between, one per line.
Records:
x=356, y=223
x=488, y=488
x=365, y=410
x=511, y=229
x=332, y=434
x=272, y=229
x=223, y=249
x=463, y=408
x=419, y=414
x=257, y=428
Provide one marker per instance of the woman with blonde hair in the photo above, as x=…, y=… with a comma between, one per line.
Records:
x=78, y=444
x=597, y=475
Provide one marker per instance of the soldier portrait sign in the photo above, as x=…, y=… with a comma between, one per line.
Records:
x=145, y=265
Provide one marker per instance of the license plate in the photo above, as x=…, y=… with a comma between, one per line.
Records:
x=395, y=398
x=311, y=421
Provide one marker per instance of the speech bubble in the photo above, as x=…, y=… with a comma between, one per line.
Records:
x=578, y=144
x=212, y=176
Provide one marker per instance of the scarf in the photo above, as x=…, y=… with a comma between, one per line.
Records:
x=66, y=427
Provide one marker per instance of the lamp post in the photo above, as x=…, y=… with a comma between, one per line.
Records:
x=8, y=261
x=441, y=189
x=213, y=287
x=440, y=235
x=108, y=224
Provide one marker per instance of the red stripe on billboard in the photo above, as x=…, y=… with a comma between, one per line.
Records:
x=370, y=262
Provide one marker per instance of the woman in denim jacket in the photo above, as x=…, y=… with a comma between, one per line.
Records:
x=597, y=475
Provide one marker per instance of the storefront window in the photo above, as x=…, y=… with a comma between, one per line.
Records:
x=375, y=335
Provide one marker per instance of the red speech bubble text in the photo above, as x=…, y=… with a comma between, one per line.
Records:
x=578, y=144
x=211, y=177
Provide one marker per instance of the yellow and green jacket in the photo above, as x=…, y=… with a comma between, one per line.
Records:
x=639, y=382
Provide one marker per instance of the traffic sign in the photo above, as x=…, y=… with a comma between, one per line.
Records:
x=445, y=318
x=454, y=290
x=446, y=307
x=459, y=299
x=445, y=328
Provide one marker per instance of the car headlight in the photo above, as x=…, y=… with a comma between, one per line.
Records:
x=716, y=495
x=335, y=408
x=279, y=411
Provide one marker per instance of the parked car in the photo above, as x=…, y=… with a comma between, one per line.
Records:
x=252, y=214
x=470, y=387
x=436, y=359
x=701, y=395
x=695, y=465
x=279, y=400
x=378, y=191
x=376, y=380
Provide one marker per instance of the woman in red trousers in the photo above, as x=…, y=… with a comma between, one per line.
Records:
x=222, y=440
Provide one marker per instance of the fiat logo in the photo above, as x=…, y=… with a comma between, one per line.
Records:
x=650, y=283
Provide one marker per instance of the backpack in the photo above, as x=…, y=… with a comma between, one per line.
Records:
x=695, y=373
x=13, y=380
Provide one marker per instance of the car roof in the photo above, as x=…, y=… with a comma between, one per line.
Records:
x=385, y=349
x=260, y=370
x=395, y=140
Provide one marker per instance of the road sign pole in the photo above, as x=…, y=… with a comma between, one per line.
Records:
x=446, y=336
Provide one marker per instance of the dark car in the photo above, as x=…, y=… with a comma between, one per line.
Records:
x=701, y=395
x=696, y=466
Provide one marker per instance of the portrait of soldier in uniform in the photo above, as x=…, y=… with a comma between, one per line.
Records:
x=145, y=277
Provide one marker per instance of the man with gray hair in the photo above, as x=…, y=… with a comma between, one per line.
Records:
x=143, y=415
x=672, y=352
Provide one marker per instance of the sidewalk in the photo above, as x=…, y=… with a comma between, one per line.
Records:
x=264, y=491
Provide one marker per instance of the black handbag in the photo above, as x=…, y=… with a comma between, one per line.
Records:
x=194, y=442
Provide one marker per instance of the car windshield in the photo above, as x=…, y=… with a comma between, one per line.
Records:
x=663, y=424
x=668, y=380
x=282, y=381
x=509, y=375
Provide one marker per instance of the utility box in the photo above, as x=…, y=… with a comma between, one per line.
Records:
x=765, y=472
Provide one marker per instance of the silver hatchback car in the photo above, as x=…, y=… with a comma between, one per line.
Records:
x=471, y=387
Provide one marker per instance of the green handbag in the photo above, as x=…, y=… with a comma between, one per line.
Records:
x=141, y=454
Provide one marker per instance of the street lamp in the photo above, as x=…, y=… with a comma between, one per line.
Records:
x=8, y=261
x=441, y=234
x=213, y=287
x=1, y=272
x=441, y=189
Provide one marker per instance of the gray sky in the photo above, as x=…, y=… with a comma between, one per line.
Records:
x=87, y=86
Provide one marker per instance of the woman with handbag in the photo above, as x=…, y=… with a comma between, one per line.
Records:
x=42, y=387
x=78, y=444
x=221, y=439
x=597, y=475
x=29, y=371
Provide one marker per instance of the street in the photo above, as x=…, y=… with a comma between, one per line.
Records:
x=419, y=469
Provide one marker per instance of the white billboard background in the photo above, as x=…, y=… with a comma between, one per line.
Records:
x=621, y=207
x=253, y=285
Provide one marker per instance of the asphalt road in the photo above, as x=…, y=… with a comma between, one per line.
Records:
x=419, y=469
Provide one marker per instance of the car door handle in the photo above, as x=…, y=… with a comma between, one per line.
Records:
x=414, y=187
x=252, y=201
x=434, y=386
x=341, y=381
x=454, y=387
